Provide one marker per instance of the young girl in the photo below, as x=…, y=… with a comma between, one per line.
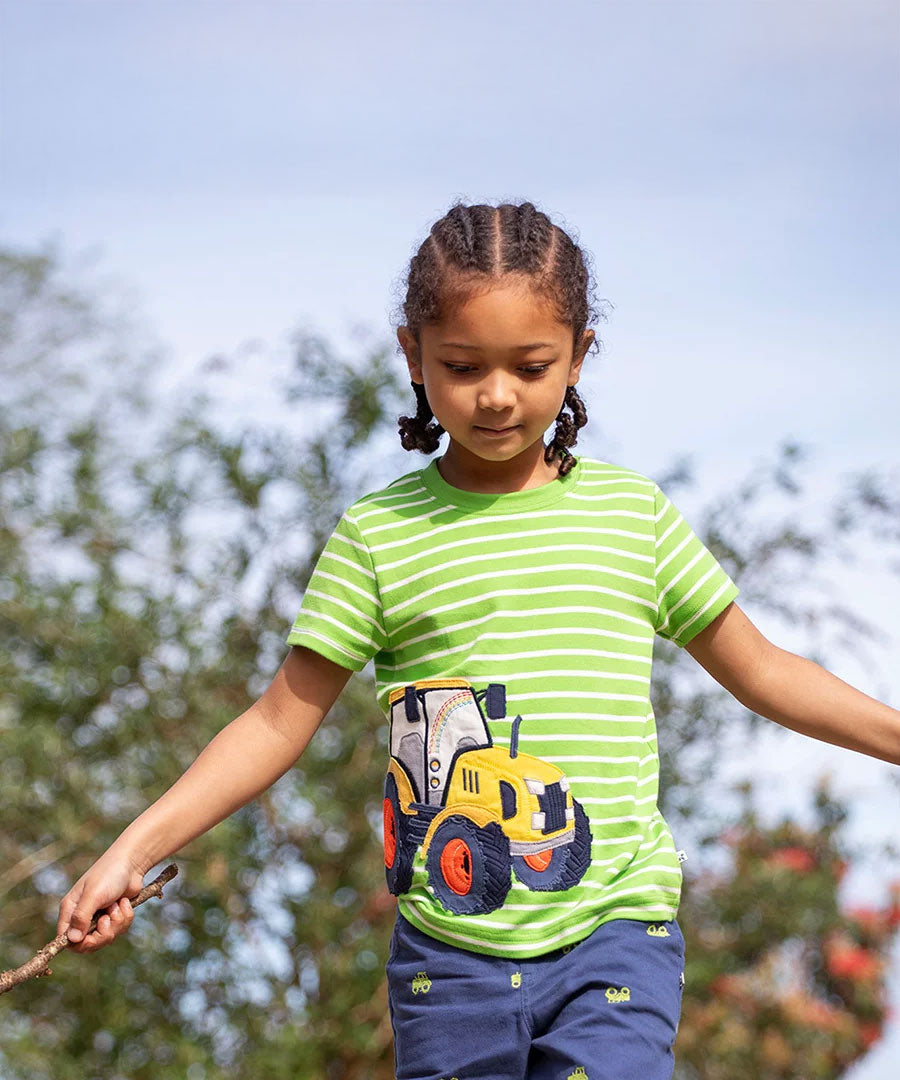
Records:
x=509, y=594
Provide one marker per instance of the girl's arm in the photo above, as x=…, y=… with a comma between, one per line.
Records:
x=793, y=691
x=246, y=757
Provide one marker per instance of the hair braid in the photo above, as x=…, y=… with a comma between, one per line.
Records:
x=566, y=431
x=464, y=236
x=534, y=235
x=422, y=431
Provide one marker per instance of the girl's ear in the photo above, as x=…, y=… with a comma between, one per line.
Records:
x=411, y=351
x=578, y=357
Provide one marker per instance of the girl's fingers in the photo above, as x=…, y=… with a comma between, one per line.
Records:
x=122, y=913
x=66, y=907
x=103, y=935
x=119, y=923
x=115, y=920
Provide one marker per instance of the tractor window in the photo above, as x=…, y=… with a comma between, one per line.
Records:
x=507, y=799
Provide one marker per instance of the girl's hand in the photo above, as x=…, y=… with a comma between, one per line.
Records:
x=106, y=885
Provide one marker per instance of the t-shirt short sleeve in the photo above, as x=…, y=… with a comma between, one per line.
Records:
x=691, y=586
x=340, y=616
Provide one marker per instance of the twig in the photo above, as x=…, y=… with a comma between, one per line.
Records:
x=37, y=966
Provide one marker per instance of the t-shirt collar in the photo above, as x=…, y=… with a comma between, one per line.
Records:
x=528, y=499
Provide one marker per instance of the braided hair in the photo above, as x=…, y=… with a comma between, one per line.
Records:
x=468, y=251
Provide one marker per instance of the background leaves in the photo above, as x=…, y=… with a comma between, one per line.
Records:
x=152, y=560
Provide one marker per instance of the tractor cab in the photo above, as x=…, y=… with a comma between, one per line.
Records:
x=432, y=724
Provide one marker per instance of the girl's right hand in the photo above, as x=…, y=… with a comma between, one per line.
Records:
x=108, y=884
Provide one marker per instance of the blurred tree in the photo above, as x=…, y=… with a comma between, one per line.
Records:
x=147, y=581
x=152, y=563
x=781, y=980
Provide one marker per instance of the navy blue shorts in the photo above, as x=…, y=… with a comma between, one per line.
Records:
x=606, y=1008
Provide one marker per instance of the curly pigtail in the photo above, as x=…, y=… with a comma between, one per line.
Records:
x=422, y=431
x=565, y=433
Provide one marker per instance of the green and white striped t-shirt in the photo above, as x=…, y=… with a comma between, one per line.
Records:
x=556, y=592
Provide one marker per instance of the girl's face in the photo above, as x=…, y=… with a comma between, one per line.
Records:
x=495, y=373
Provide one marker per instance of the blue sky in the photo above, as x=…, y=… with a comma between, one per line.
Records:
x=733, y=169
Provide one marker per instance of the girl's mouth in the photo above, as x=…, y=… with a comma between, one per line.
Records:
x=496, y=433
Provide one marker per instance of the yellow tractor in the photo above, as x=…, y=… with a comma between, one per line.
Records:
x=477, y=811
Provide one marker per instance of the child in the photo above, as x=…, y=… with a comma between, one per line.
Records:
x=537, y=882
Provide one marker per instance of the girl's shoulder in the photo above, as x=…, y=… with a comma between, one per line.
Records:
x=407, y=486
x=596, y=471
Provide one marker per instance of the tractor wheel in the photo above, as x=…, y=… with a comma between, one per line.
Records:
x=468, y=865
x=398, y=859
x=543, y=871
x=579, y=857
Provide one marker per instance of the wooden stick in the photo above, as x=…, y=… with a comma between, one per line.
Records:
x=37, y=966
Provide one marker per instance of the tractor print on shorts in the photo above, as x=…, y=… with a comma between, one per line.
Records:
x=478, y=811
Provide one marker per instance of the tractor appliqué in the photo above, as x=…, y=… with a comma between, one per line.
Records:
x=480, y=813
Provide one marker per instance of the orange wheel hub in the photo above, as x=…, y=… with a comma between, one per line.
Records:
x=456, y=866
x=390, y=834
x=540, y=860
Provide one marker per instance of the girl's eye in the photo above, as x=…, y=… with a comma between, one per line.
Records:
x=465, y=369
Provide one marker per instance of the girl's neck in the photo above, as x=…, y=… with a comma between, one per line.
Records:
x=465, y=470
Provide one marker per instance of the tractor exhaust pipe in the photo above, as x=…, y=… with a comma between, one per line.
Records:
x=514, y=738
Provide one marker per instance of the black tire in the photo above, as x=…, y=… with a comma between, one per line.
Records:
x=479, y=854
x=548, y=879
x=397, y=865
x=579, y=850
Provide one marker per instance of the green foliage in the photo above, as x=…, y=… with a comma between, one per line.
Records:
x=781, y=980
x=152, y=562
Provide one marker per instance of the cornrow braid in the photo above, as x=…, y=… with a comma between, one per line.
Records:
x=470, y=250
x=422, y=431
x=566, y=431
x=465, y=237
x=533, y=250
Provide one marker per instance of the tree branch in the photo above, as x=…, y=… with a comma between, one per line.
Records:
x=37, y=966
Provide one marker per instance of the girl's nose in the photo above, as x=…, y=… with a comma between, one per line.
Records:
x=496, y=392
